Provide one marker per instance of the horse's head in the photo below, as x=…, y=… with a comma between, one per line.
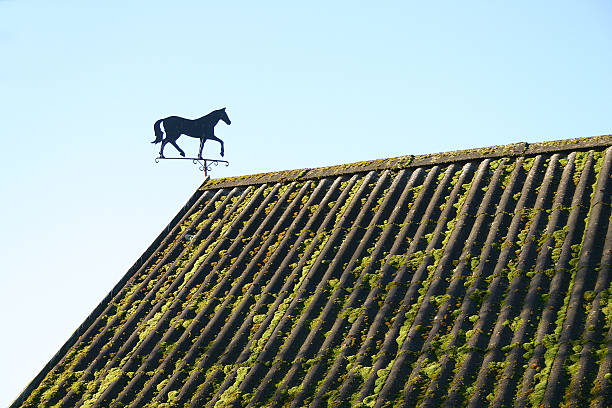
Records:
x=224, y=116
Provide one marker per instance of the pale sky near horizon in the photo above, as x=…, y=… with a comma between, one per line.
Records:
x=313, y=85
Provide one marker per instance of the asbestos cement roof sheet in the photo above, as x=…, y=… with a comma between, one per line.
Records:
x=471, y=278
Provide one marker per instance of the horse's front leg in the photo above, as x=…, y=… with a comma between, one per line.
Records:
x=213, y=137
x=202, y=140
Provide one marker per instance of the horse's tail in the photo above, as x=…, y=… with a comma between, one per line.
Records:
x=158, y=131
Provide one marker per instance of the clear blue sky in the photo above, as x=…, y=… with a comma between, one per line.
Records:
x=320, y=84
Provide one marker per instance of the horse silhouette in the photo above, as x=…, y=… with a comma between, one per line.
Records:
x=202, y=128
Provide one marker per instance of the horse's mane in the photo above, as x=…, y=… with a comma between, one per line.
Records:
x=212, y=114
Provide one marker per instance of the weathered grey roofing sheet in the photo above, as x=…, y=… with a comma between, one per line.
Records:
x=473, y=278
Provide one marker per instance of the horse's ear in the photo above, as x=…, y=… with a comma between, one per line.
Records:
x=223, y=109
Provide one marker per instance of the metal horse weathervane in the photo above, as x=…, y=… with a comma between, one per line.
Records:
x=202, y=128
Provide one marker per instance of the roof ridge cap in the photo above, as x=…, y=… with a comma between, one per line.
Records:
x=394, y=163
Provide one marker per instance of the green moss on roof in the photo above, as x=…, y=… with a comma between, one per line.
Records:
x=474, y=277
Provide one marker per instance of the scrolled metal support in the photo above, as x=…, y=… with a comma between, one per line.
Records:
x=204, y=164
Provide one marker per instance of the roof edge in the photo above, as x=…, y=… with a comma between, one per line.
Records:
x=400, y=162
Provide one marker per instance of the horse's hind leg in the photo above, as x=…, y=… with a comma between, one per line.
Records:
x=161, y=150
x=181, y=152
x=171, y=137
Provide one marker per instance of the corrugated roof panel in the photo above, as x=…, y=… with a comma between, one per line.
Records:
x=483, y=281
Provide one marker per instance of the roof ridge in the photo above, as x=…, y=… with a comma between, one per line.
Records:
x=400, y=162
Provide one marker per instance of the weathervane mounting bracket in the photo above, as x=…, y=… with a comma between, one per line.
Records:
x=205, y=165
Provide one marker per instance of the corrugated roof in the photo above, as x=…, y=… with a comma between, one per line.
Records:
x=471, y=278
